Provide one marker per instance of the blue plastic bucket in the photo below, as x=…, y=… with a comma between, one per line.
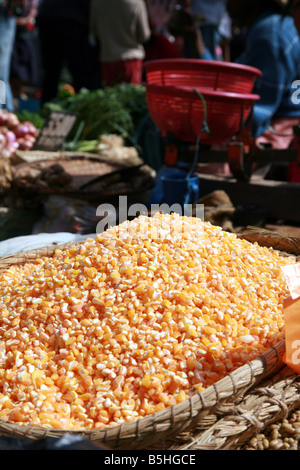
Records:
x=180, y=189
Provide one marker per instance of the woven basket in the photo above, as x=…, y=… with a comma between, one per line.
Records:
x=224, y=416
x=92, y=178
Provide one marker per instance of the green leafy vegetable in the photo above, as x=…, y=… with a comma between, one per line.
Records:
x=117, y=110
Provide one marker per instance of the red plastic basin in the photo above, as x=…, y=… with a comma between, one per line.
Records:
x=205, y=74
x=181, y=112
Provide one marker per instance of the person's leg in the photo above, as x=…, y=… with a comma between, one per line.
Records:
x=51, y=57
x=211, y=38
x=133, y=71
x=82, y=59
x=112, y=73
x=7, y=35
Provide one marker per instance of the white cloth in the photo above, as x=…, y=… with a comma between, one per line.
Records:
x=34, y=242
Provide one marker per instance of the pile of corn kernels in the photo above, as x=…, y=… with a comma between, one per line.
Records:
x=133, y=321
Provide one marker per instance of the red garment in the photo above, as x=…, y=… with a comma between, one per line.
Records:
x=128, y=71
x=159, y=47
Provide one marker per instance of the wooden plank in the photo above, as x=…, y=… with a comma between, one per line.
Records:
x=279, y=200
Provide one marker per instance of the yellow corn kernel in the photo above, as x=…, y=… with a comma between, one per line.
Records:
x=130, y=322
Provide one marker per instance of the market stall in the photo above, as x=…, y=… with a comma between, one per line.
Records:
x=82, y=154
x=162, y=332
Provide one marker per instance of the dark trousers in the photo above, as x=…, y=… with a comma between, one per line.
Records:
x=64, y=43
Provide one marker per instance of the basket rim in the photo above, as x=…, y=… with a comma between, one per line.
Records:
x=199, y=64
x=189, y=93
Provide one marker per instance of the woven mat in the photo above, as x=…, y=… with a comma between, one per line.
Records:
x=30, y=156
x=82, y=170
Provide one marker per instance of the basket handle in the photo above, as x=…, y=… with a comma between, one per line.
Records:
x=204, y=128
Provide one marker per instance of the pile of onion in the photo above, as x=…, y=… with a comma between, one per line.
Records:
x=15, y=135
